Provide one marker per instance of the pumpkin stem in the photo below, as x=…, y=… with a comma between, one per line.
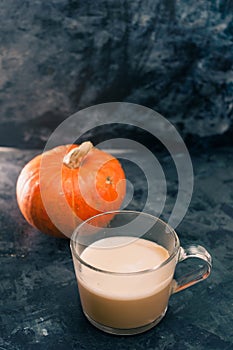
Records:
x=74, y=158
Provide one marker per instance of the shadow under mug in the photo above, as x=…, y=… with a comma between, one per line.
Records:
x=127, y=303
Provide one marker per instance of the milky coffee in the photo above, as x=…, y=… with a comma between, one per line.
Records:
x=126, y=289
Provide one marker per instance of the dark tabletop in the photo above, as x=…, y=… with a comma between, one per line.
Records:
x=40, y=305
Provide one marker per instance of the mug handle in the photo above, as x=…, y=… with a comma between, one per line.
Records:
x=193, y=251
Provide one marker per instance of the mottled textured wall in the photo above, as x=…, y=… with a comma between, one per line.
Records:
x=59, y=56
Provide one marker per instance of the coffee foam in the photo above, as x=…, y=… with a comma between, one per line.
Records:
x=135, y=265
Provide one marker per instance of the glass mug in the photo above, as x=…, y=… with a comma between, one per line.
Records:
x=124, y=263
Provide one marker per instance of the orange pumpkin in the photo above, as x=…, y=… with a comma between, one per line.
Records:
x=61, y=187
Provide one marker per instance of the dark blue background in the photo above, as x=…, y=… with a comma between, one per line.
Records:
x=60, y=56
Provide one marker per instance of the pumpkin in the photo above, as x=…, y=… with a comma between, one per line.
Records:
x=68, y=184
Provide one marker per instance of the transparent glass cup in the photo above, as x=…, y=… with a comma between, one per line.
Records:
x=130, y=301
